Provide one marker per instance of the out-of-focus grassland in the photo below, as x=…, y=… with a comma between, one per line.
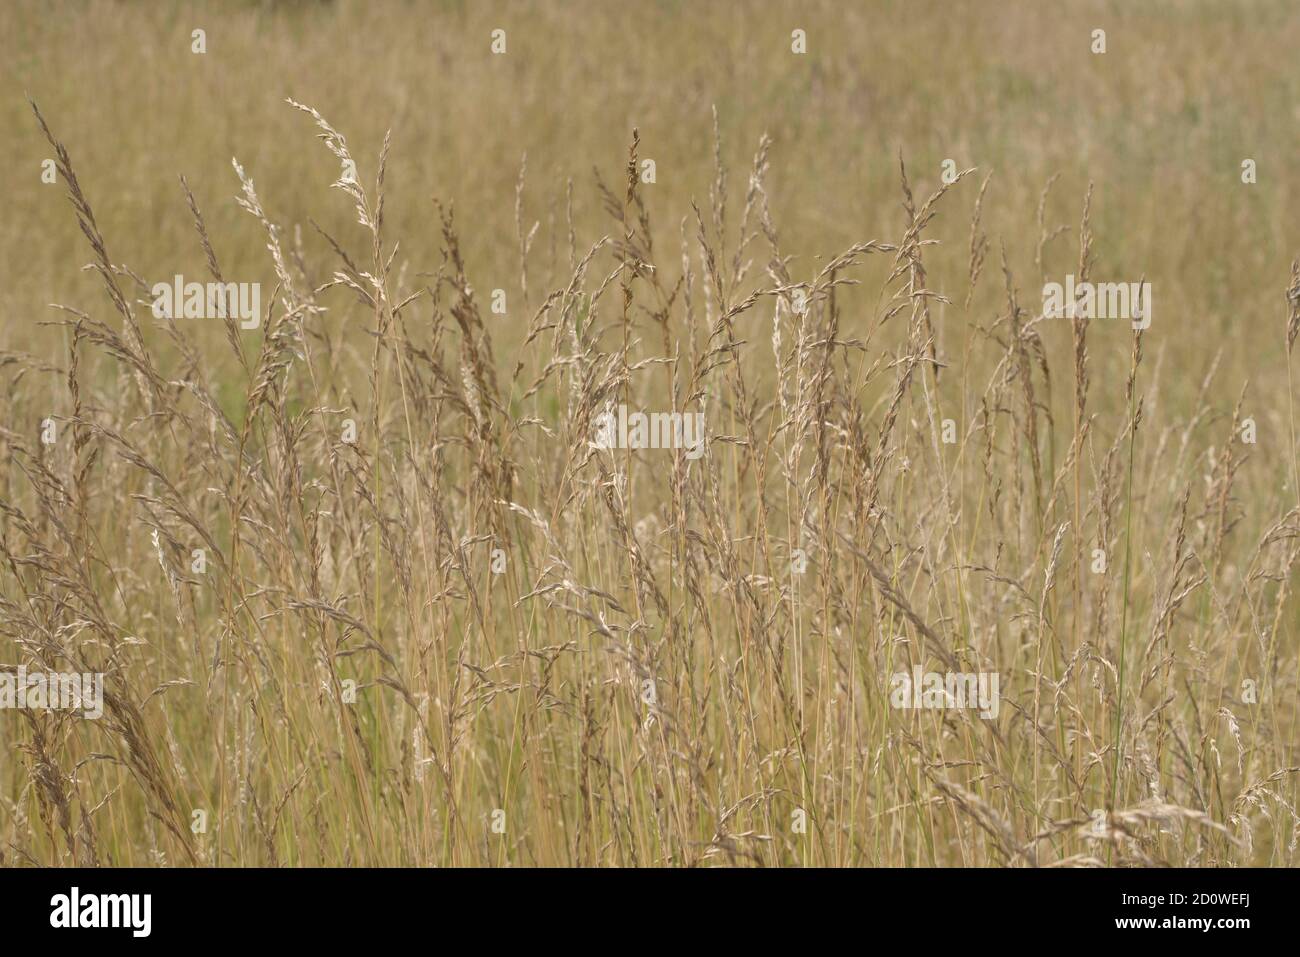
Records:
x=1160, y=123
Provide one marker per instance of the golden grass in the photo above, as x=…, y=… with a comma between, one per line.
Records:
x=649, y=681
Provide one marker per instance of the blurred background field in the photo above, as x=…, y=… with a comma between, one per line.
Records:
x=1160, y=123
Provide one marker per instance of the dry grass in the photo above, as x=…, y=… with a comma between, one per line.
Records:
x=649, y=682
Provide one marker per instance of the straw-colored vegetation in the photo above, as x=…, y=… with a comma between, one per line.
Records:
x=431, y=623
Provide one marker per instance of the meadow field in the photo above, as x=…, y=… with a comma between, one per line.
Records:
x=375, y=571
